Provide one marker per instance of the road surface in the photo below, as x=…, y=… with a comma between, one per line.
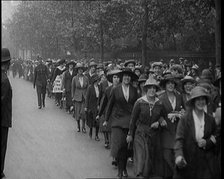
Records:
x=44, y=143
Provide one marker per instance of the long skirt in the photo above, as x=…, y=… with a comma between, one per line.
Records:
x=147, y=155
x=118, y=140
x=79, y=112
x=68, y=97
x=91, y=119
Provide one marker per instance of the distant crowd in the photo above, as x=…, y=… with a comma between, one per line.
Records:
x=164, y=118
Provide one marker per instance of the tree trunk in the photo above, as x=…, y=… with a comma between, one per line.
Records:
x=218, y=31
x=101, y=38
x=144, y=33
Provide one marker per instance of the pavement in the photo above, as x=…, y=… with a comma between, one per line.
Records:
x=44, y=143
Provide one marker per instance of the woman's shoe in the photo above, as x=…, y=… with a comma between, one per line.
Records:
x=97, y=138
x=83, y=130
x=125, y=173
x=119, y=175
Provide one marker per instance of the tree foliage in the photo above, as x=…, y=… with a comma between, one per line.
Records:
x=52, y=28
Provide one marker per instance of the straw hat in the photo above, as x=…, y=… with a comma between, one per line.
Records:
x=188, y=79
x=92, y=63
x=111, y=73
x=129, y=61
x=195, y=66
x=79, y=65
x=196, y=92
x=151, y=82
x=160, y=64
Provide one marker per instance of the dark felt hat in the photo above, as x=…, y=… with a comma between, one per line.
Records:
x=129, y=72
x=5, y=55
x=166, y=78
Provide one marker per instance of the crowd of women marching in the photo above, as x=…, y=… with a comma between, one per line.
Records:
x=165, y=116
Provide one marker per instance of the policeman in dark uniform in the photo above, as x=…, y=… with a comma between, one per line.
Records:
x=6, y=105
x=40, y=81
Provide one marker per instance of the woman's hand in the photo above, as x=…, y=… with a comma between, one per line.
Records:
x=180, y=162
x=155, y=125
x=105, y=123
x=163, y=123
x=129, y=138
x=201, y=143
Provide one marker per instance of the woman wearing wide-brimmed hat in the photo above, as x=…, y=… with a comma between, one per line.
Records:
x=91, y=106
x=67, y=84
x=141, y=82
x=92, y=70
x=188, y=83
x=195, y=140
x=79, y=87
x=119, y=110
x=144, y=131
x=114, y=78
x=173, y=104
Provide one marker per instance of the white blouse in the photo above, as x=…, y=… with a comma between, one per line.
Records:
x=126, y=93
x=199, y=126
x=173, y=103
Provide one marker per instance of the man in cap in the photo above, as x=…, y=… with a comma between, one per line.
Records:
x=40, y=82
x=130, y=64
x=6, y=105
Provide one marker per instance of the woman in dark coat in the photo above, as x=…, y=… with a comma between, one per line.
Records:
x=174, y=107
x=119, y=110
x=188, y=84
x=195, y=140
x=91, y=106
x=144, y=129
x=112, y=77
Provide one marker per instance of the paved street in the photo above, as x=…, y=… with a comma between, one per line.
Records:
x=44, y=144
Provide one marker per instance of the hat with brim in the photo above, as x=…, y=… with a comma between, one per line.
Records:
x=176, y=67
x=206, y=74
x=142, y=78
x=130, y=73
x=196, y=92
x=151, y=81
x=159, y=64
x=92, y=64
x=129, y=61
x=188, y=79
x=5, y=55
x=80, y=66
x=61, y=61
x=100, y=66
x=111, y=73
x=71, y=63
x=168, y=77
